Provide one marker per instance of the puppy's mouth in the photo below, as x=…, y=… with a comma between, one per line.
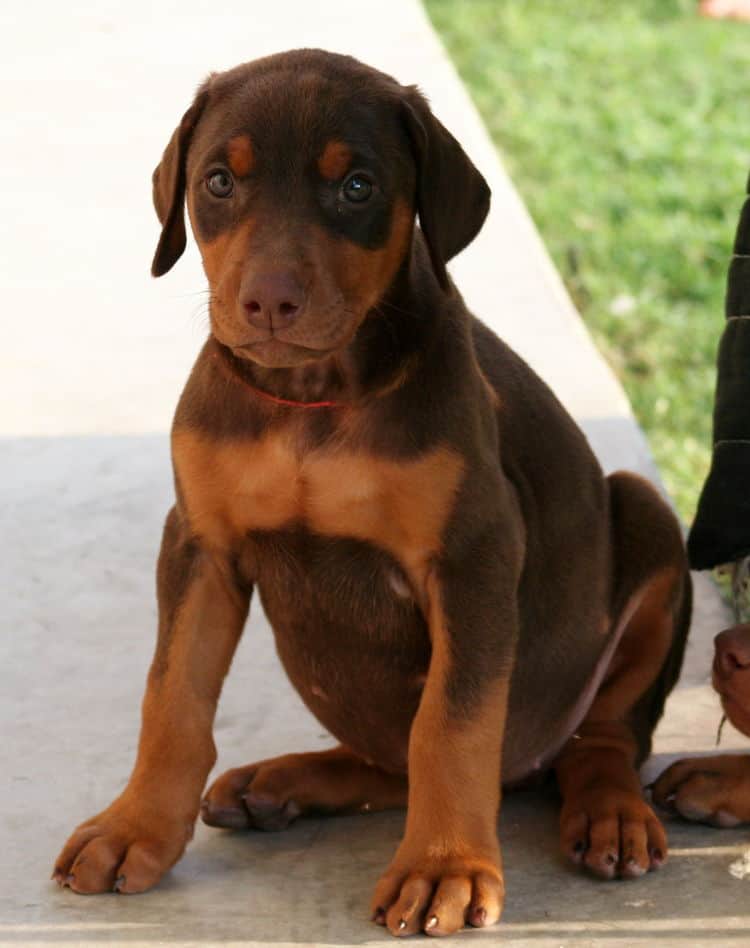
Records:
x=286, y=347
x=276, y=353
x=279, y=349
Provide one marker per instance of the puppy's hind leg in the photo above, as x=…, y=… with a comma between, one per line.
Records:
x=606, y=825
x=270, y=794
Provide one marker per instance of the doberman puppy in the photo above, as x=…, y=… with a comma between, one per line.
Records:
x=716, y=790
x=457, y=592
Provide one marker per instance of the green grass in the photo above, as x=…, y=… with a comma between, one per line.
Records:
x=625, y=127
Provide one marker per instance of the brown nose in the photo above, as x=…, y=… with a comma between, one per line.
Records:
x=733, y=650
x=272, y=300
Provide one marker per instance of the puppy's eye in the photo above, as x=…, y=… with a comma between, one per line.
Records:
x=220, y=184
x=357, y=188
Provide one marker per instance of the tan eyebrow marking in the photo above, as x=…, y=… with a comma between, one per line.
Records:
x=240, y=155
x=335, y=160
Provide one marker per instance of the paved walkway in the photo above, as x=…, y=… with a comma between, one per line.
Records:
x=94, y=354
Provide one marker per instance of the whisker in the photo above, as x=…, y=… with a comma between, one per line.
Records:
x=200, y=318
x=181, y=296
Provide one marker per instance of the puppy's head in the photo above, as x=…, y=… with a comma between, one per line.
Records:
x=731, y=674
x=302, y=174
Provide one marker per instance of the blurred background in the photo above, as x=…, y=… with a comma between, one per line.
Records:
x=625, y=127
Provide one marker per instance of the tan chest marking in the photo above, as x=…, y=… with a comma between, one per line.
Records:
x=230, y=488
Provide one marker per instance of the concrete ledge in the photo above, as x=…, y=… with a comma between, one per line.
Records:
x=94, y=357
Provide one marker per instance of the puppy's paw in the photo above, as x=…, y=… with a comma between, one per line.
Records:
x=267, y=795
x=714, y=790
x=271, y=794
x=439, y=894
x=121, y=850
x=612, y=833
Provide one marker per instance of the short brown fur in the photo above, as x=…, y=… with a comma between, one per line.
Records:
x=456, y=591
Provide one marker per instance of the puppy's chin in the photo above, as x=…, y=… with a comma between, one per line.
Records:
x=276, y=354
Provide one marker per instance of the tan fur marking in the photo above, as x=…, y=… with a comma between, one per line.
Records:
x=364, y=274
x=400, y=506
x=240, y=155
x=334, y=780
x=438, y=793
x=351, y=279
x=640, y=653
x=229, y=247
x=222, y=262
x=335, y=160
x=195, y=666
x=450, y=835
x=605, y=822
x=634, y=667
x=355, y=274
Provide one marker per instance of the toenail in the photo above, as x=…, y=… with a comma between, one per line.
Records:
x=69, y=879
x=378, y=916
x=401, y=925
x=480, y=916
x=431, y=922
x=119, y=883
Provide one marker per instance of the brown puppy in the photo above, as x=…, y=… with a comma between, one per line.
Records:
x=456, y=590
x=716, y=790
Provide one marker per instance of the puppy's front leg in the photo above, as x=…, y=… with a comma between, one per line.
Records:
x=447, y=870
x=202, y=610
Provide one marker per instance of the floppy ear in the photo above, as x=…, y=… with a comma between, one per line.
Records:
x=169, y=189
x=452, y=196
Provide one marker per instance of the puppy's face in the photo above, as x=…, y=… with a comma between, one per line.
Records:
x=301, y=198
x=731, y=674
x=302, y=174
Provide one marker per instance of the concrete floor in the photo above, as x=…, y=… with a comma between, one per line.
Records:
x=93, y=358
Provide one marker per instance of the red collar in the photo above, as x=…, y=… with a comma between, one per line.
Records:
x=289, y=402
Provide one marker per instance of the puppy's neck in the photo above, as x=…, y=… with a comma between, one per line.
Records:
x=387, y=347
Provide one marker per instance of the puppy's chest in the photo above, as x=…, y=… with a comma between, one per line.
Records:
x=233, y=487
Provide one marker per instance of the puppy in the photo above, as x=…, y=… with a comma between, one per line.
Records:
x=457, y=592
